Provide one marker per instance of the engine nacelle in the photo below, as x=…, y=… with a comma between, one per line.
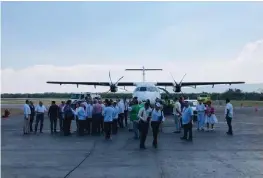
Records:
x=113, y=88
x=177, y=89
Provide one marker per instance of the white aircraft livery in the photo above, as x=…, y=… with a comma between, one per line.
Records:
x=144, y=90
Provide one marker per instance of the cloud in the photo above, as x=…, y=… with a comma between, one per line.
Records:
x=246, y=67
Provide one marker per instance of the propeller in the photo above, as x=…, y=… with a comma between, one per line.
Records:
x=113, y=86
x=177, y=86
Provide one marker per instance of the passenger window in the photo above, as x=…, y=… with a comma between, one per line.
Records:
x=137, y=89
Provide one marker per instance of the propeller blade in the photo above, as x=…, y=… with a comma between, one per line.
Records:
x=182, y=79
x=173, y=78
x=118, y=80
x=110, y=77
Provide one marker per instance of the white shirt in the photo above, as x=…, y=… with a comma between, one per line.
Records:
x=229, y=107
x=177, y=106
x=121, y=106
x=27, y=110
x=40, y=109
x=144, y=114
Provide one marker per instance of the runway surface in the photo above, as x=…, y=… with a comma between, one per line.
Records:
x=212, y=154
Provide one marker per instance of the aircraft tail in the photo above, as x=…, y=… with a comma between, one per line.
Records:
x=143, y=69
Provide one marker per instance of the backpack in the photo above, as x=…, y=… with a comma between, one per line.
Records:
x=68, y=112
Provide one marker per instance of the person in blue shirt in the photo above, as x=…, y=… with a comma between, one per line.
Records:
x=187, y=118
x=81, y=114
x=115, y=118
x=108, y=118
x=200, y=108
x=156, y=120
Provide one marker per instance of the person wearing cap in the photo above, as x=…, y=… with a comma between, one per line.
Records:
x=81, y=114
x=177, y=115
x=144, y=116
x=200, y=108
x=27, y=113
x=40, y=110
x=187, y=121
x=115, y=118
x=157, y=118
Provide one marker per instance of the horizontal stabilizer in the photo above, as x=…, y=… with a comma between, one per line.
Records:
x=143, y=69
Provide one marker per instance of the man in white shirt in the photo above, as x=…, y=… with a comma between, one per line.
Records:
x=177, y=115
x=229, y=116
x=144, y=116
x=27, y=113
x=121, y=113
x=40, y=110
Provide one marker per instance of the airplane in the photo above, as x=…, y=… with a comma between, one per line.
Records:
x=144, y=90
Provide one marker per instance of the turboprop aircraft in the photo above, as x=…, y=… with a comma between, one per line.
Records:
x=144, y=90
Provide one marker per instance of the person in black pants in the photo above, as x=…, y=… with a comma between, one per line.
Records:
x=229, y=116
x=32, y=115
x=157, y=118
x=68, y=117
x=187, y=119
x=53, y=113
x=144, y=118
x=40, y=110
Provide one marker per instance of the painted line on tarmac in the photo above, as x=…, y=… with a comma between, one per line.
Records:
x=248, y=123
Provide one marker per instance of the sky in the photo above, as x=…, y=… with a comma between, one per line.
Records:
x=82, y=41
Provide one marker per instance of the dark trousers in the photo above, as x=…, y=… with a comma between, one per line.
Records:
x=77, y=124
x=66, y=126
x=96, y=119
x=126, y=118
x=82, y=125
x=39, y=119
x=88, y=125
x=101, y=123
x=143, y=126
x=120, y=120
x=107, y=129
x=32, y=117
x=188, y=128
x=115, y=126
x=155, y=129
x=53, y=123
x=60, y=121
x=229, y=123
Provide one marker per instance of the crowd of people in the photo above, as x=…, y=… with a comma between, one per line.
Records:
x=94, y=117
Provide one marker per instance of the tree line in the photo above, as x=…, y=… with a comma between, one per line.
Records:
x=233, y=94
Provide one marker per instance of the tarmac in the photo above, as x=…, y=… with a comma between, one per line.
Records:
x=211, y=154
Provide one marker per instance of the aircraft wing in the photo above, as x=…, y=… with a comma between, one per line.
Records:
x=90, y=83
x=185, y=84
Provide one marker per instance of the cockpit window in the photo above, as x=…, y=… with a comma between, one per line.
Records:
x=143, y=89
x=150, y=89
